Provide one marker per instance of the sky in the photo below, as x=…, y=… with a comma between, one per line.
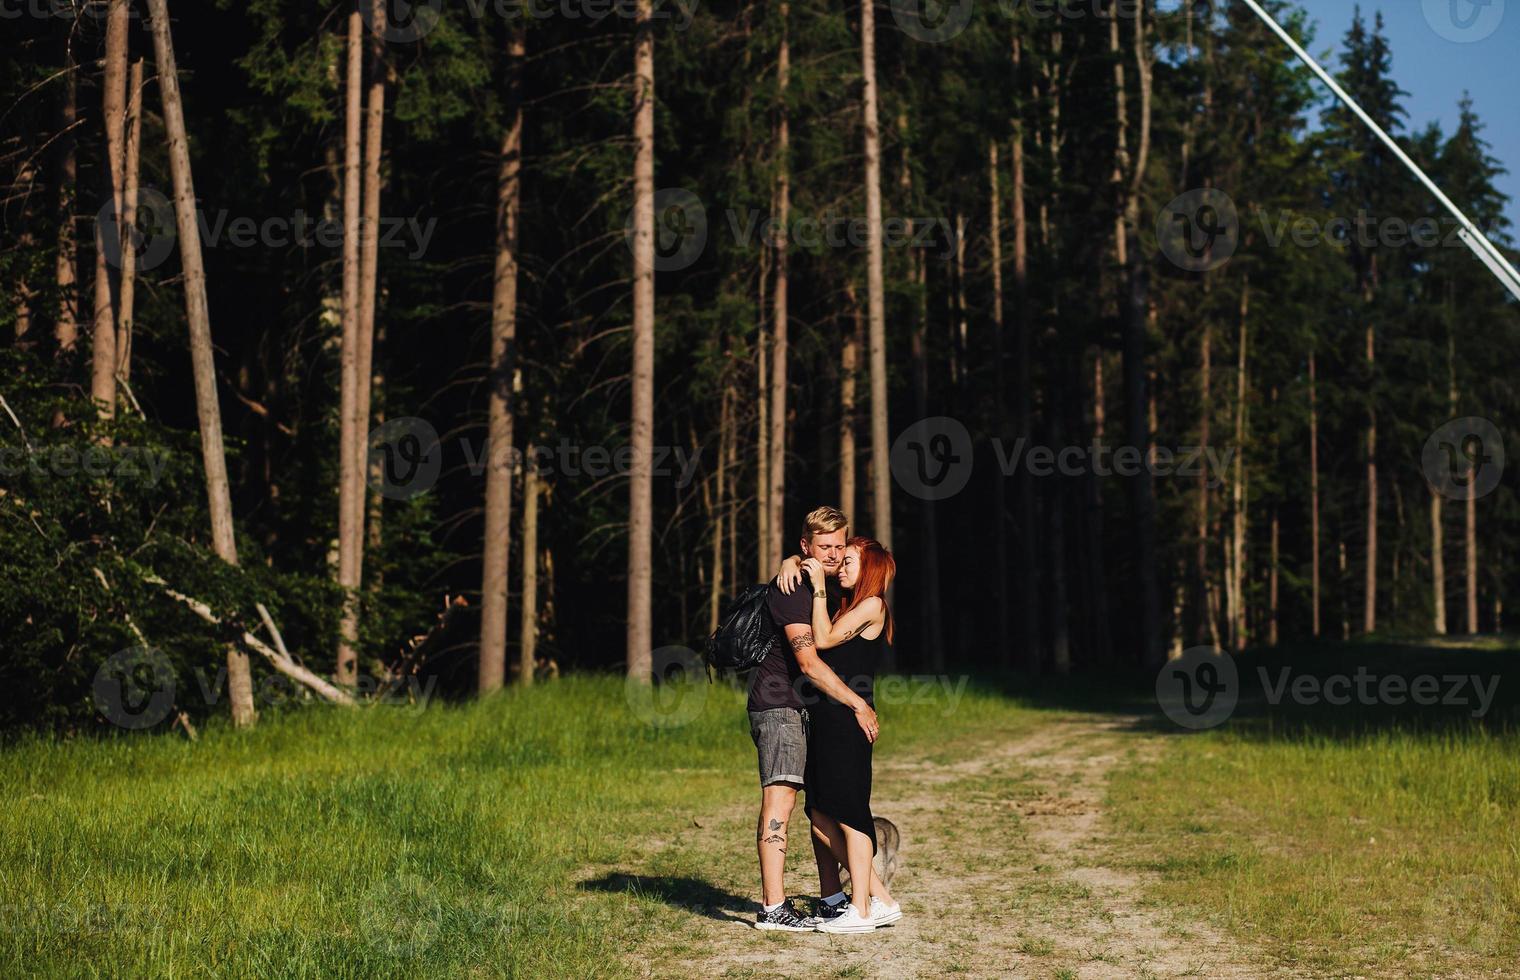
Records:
x=1442, y=48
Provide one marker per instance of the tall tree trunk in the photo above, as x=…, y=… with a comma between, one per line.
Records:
x=1152, y=652
x=849, y=373
x=350, y=473
x=496, y=548
x=1237, y=602
x=218, y=492
x=1000, y=409
x=107, y=273
x=721, y=512
x=1472, y=561
x=881, y=472
x=1369, y=601
x=66, y=184
x=527, y=646
x=641, y=441
x=763, y=534
x=1314, y=546
x=127, y=306
x=776, y=477
x=1027, y=580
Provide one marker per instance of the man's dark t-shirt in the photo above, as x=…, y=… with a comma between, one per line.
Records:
x=778, y=678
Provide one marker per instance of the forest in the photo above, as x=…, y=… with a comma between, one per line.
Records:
x=352, y=344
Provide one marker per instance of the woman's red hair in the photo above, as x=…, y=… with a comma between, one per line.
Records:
x=877, y=569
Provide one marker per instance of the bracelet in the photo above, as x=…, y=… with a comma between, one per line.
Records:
x=820, y=595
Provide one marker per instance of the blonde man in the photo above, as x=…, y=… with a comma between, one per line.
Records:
x=778, y=723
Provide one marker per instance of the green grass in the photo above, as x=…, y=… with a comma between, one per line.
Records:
x=381, y=842
x=1392, y=850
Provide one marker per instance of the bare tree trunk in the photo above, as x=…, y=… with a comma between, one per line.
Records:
x=66, y=183
x=1000, y=410
x=528, y=628
x=776, y=477
x=1152, y=649
x=496, y=548
x=720, y=509
x=1369, y=604
x=1237, y=605
x=1314, y=495
x=1027, y=580
x=881, y=473
x=107, y=274
x=641, y=477
x=126, y=307
x=350, y=473
x=1472, y=561
x=218, y=493
x=849, y=372
x=763, y=534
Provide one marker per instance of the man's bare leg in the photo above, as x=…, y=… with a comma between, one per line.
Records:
x=776, y=803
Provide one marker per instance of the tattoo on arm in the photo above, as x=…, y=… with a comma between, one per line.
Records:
x=802, y=640
x=851, y=634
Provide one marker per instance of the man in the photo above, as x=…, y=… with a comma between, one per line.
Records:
x=778, y=724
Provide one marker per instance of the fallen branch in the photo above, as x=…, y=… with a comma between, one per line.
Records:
x=279, y=660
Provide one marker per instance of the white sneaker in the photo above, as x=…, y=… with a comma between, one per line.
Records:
x=883, y=914
x=851, y=921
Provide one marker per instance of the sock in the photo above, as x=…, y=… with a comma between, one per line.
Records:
x=834, y=899
x=772, y=908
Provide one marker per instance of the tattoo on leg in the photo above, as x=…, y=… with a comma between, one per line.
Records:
x=775, y=824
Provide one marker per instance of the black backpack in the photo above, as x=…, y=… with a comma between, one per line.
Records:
x=745, y=634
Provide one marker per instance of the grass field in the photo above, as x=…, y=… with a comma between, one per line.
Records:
x=459, y=840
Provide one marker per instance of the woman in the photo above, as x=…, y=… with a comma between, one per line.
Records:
x=838, y=775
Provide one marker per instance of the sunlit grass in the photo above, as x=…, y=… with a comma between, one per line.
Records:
x=387, y=841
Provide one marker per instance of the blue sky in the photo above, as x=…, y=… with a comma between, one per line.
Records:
x=1440, y=49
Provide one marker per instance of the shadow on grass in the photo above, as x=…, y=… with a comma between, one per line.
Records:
x=689, y=894
x=1335, y=690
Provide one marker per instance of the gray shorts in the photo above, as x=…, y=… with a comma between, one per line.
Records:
x=780, y=736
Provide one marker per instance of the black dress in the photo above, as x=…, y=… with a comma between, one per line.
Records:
x=838, y=774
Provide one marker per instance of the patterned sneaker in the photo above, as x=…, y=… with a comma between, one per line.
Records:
x=883, y=914
x=782, y=917
x=850, y=921
x=823, y=912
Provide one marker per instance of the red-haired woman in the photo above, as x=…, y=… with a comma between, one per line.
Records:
x=838, y=776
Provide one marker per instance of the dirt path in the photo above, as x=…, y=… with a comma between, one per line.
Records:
x=1006, y=869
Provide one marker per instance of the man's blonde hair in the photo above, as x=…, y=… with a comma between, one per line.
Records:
x=826, y=520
